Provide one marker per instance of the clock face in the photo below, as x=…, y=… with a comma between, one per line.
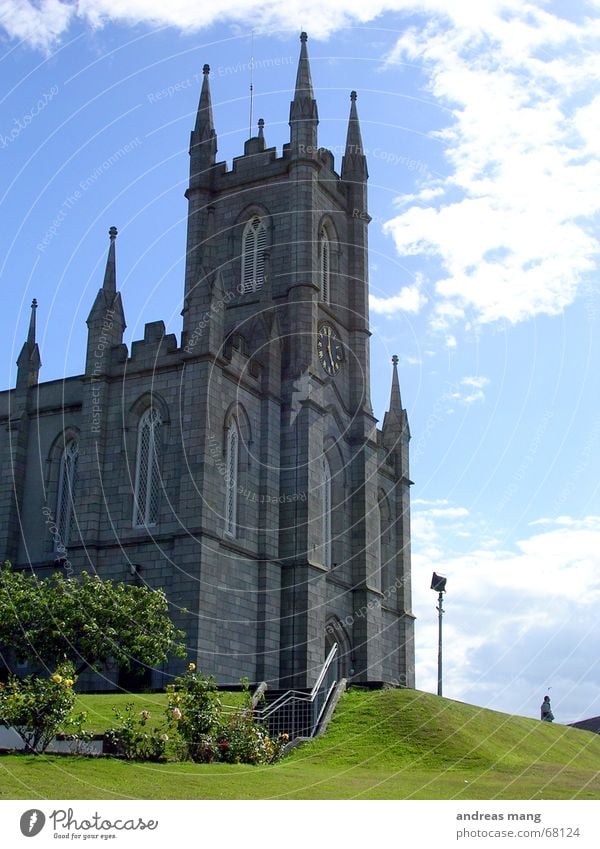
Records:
x=329, y=349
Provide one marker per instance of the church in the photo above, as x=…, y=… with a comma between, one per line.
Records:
x=240, y=467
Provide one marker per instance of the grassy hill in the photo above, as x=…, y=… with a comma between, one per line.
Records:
x=394, y=744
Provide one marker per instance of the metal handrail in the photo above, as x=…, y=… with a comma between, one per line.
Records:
x=326, y=665
x=298, y=696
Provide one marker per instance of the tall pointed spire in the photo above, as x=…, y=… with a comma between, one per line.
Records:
x=395, y=400
x=303, y=108
x=204, y=137
x=106, y=321
x=110, y=275
x=29, y=362
x=304, y=88
x=31, y=332
x=354, y=162
x=395, y=421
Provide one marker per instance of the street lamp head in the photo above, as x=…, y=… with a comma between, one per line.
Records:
x=438, y=583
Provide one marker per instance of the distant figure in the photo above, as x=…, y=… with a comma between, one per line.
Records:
x=547, y=715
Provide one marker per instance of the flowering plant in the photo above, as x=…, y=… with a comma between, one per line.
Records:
x=193, y=712
x=132, y=739
x=37, y=707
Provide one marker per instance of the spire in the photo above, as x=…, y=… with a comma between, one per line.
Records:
x=395, y=400
x=304, y=88
x=395, y=421
x=29, y=362
x=204, y=137
x=354, y=163
x=110, y=275
x=31, y=333
x=303, y=108
x=106, y=321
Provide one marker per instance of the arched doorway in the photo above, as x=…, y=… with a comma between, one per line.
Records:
x=336, y=633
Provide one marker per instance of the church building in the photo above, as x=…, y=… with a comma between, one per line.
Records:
x=240, y=468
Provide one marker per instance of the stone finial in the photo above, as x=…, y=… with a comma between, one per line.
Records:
x=353, y=96
x=303, y=37
x=206, y=70
x=113, y=233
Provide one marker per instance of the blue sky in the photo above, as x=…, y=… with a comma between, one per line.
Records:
x=481, y=124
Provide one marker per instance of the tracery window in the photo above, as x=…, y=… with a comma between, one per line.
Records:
x=66, y=490
x=324, y=265
x=326, y=511
x=231, y=477
x=147, y=472
x=254, y=242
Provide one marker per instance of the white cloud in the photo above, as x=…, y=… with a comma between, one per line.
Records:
x=470, y=390
x=513, y=229
x=518, y=620
x=409, y=299
x=40, y=25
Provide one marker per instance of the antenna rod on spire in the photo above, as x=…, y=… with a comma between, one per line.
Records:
x=251, y=81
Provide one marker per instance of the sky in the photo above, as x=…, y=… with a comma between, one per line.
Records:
x=480, y=123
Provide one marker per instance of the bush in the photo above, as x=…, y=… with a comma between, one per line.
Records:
x=37, y=707
x=132, y=740
x=75, y=733
x=193, y=712
x=207, y=733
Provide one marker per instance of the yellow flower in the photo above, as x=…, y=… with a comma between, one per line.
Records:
x=191, y=667
x=57, y=678
x=69, y=682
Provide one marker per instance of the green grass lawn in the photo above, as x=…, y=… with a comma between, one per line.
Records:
x=99, y=708
x=394, y=744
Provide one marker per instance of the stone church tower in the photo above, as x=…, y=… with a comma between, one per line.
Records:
x=241, y=470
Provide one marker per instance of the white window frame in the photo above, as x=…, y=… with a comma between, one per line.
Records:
x=254, y=244
x=67, y=480
x=147, y=474
x=232, y=460
x=325, y=265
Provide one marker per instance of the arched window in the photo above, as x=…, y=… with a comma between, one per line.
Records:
x=254, y=241
x=232, y=454
x=385, y=558
x=324, y=264
x=66, y=490
x=326, y=511
x=147, y=471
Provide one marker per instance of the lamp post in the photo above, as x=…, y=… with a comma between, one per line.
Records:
x=438, y=584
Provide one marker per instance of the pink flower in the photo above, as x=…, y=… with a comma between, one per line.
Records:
x=176, y=713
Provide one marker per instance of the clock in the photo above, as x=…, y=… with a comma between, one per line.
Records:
x=329, y=349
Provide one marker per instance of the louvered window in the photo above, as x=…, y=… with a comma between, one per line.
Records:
x=147, y=473
x=231, y=478
x=324, y=264
x=326, y=511
x=254, y=242
x=66, y=491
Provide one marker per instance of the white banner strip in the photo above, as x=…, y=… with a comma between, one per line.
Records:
x=297, y=824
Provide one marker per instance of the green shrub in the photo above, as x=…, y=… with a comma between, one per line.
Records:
x=132, y=740
x=208, y=733
x=193, y=712
x=37, y=707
